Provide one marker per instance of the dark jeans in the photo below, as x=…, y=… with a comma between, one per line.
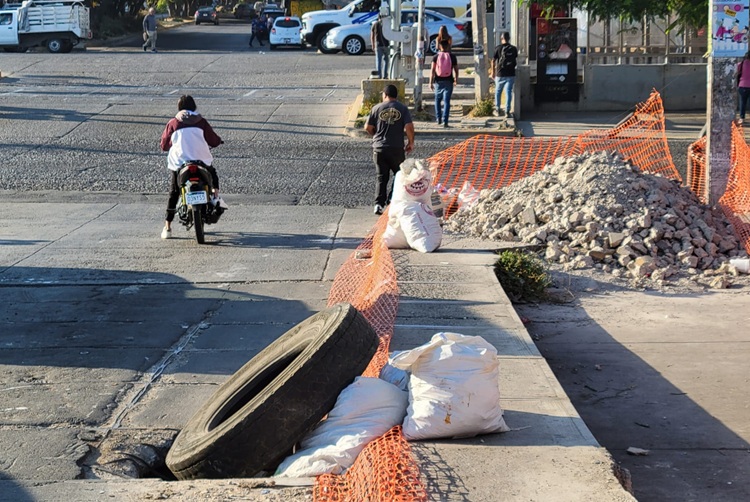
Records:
x=443, y=93
x=174, y=191
x=387, y=161
x=744, y=95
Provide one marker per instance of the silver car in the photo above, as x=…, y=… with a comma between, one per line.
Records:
x=354, y=39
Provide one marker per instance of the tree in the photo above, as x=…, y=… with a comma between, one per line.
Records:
x=690, y=12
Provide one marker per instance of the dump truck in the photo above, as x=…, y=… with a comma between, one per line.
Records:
x=58, y=25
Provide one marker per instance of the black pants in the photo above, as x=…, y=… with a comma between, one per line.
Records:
x=387, y=161
x=258, y=36
x=174, y=191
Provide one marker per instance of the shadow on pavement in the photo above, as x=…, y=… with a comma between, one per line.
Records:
x=628, y=402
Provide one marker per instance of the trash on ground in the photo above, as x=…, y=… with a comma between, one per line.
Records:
x=637, y=451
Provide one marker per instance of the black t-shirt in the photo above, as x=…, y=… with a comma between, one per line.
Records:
x=389, y=119
x=505, y=60
x=377, y=30
x=454, y=64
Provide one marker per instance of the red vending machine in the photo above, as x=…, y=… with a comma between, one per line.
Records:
x=556, y=59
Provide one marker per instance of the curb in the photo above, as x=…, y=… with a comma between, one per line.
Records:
x=430, y=130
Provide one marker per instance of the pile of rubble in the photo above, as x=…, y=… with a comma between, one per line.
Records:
x=596, y=210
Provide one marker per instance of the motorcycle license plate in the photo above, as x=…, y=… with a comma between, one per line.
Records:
x=194, y=198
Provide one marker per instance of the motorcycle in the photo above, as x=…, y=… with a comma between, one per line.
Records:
x=197, y=205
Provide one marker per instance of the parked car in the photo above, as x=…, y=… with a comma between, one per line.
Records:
x=468, y=33
x=273, y=11
x=285, y=31
x=206, y=15
x=354, y=39
x=243, y=11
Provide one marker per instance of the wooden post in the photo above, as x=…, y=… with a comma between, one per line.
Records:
x=479, y=30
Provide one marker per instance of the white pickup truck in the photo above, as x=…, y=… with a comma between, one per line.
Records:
x=57, y=25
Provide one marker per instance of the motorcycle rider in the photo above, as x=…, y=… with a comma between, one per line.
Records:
x=188, y=136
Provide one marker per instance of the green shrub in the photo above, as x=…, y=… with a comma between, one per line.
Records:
x=522, y=275
x=483, y=108
x=366, y=108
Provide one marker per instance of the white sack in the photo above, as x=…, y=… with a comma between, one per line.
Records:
x=365, y=410
x=397, y=377
x=412, y=183
x=421, y=227
x=393, y=235
x=453, y=388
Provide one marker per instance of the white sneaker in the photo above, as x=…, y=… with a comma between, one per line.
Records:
x=378, y=209
x=166, y=233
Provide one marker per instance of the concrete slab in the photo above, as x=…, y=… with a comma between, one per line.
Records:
x=57, y=453
x=169, y=406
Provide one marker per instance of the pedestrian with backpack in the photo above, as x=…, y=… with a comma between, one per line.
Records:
x=503, y=69
x=443, y=74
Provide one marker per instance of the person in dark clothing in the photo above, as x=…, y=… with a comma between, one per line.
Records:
x=443, y=74
x=258, y=30
x=380, y=47
x=503, y=68
x=387, y=124
x=187, y=136
x=149, y=30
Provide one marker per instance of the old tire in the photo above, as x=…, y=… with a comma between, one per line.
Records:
x=254, y=419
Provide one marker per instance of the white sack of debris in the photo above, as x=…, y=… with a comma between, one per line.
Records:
x=365, y=410
x=453, y=388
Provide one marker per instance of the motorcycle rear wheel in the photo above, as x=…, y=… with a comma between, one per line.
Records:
x=198, y=224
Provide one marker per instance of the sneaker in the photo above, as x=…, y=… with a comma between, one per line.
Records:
x=495, y=113
x=445, y=125
x=166, y=233
x=378, y=209
x=153, y=50
x=439, y=121
x=144, y=48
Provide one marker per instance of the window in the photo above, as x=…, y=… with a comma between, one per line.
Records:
x=287, y=23
x=5, y=19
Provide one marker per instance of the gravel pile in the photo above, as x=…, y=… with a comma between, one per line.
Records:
x=597, y=211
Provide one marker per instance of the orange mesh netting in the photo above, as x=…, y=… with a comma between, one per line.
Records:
x=696, y=168
x=736, y=199
x=386, y=470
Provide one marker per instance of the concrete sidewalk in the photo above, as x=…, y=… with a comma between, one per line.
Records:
x=66, y=274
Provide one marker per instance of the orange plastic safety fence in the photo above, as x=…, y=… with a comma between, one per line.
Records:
x=385, y=471
x=696, y=168
x=641, y=139
x=736, y=199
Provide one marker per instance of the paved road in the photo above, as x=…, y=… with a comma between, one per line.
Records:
x=100, y=314
x=91, y=120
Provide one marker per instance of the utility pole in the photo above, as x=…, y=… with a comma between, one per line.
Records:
x=721, y=94
x=481, y=78
x=395, y=65
x=419, y=58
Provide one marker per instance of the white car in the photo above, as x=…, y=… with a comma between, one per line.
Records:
x=285, y=31
x=354, y=39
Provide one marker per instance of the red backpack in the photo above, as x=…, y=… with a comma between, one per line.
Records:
x=443, y=65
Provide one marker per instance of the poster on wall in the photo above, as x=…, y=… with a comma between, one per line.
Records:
x=729, y=29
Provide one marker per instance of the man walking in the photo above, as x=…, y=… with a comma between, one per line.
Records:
x=387, y=123
x=149, y=30
x=503, y=69
x=443, y=74
x=380, y=46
